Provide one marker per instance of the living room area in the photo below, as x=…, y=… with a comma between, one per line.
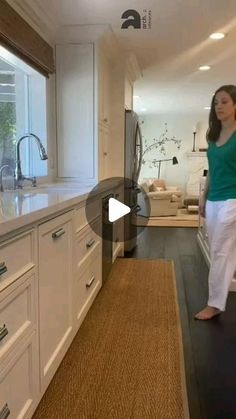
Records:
x=174, y=166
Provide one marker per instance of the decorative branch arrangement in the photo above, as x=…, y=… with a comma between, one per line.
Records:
x=160, y=146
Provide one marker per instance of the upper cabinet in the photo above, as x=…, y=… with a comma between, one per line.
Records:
x=75, y=110
x=104, y=86
x=132, y=73
x=90, y=90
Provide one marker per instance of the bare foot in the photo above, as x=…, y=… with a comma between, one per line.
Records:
x=207, y=313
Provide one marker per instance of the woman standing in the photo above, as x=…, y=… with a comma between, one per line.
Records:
x=218, y=203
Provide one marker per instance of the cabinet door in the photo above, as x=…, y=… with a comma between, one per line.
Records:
x=105, y=71
x=103, y=151
x=18, y=381
x=55, y=293
x=75, y=110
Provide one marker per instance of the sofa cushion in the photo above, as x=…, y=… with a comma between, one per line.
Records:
x=160, y=195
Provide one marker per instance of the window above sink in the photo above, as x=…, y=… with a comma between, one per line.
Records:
x=22, y=110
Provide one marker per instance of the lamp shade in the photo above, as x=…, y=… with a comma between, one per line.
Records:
x=174, y=160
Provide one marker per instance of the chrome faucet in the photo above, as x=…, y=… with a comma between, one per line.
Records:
x=1, y=172
x=18, y=172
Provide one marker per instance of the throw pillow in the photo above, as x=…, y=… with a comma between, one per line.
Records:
x=152, y=188
x=160, y=183
x=174, y=198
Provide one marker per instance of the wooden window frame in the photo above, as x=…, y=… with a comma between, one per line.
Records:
x=23, y=41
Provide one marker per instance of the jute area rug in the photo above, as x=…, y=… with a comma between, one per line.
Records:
x=126, y=361
x=182, y=219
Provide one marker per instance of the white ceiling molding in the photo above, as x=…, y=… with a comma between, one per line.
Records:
x=37, y=18
x=80, y=33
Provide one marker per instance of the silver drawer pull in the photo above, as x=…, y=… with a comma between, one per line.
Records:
x=88, y=285
x=90, y=243
x=3, y=332
x=58, y=233
x=5, y=412
x=3, y=268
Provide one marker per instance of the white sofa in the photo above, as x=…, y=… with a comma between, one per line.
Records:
x=162, y=202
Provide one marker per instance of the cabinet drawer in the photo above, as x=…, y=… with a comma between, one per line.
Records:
x=19, y=381
x=84, y=216
x=17, y=312
x=17, y=256
x=86, y=241
x=87, y=286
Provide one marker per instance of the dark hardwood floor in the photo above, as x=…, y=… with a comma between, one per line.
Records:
x=209, y=347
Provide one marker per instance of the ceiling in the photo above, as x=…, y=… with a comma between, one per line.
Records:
x=170, y=52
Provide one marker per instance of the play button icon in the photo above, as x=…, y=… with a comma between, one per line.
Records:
x=117, y=210
x=114, y=208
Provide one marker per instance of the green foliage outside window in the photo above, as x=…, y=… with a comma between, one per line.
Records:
x=7, y=133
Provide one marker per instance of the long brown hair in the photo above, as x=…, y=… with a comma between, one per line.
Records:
x=214, y=129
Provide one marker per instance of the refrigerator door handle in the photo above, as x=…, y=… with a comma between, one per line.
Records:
x=138, y=150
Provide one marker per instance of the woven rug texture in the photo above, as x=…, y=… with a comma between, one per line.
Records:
x=126, y=361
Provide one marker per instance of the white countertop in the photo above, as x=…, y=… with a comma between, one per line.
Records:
x=27, y=206
x=22, y=207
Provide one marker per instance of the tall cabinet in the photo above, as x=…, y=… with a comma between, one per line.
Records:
x=75, y=111
x=90, y=104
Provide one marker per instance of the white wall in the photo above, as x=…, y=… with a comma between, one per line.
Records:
x=180, y=126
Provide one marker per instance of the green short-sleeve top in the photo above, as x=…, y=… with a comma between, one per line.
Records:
x=222, y=170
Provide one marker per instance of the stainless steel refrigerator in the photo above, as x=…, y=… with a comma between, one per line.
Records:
x=133, y=161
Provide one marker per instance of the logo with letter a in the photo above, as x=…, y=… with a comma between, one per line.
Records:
x=133, y=18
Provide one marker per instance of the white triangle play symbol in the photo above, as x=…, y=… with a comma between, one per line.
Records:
x=116, y=209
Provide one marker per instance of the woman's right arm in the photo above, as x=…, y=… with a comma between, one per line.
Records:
x=203, y=197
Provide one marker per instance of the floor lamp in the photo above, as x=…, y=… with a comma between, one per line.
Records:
x=174, y=161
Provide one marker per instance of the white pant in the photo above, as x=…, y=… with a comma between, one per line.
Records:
x=221, y=230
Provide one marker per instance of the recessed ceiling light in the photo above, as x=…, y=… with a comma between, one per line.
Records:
x=136, y=97
x=217, y=35
x=143, y=109
x=207, y=107
x=204, y=67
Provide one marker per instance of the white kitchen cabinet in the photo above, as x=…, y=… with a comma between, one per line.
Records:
x=128, y=94
x=104, y=155
x=17, y=313
x=55, y=293
x=87, y=257
x=88, y=281
x=19, y=372
x=49, y=277
x=75, y=111
x=90, y=104
x=18, y=381
x=17, y=256
x=104, y=86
